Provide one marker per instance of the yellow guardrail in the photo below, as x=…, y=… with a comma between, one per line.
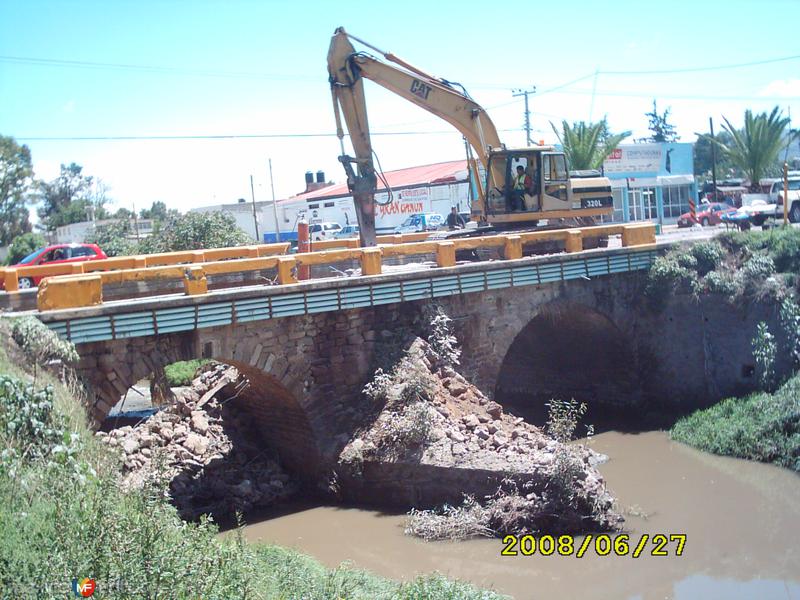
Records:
x=86, y=289
x=10, y=276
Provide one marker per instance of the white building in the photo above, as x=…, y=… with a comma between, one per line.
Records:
x=424, y=189
x=78, y=232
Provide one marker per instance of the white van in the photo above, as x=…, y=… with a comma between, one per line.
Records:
x=420, y=222
x=323, y=231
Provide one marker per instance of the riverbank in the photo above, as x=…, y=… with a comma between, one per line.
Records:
x=762, y=426
x=746, y=268
x=63, y=516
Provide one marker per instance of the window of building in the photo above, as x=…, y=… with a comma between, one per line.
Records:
x=313, y=205
x=676, y=200
x=329, y=205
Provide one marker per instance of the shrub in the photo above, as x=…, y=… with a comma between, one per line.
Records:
x=194, y=231
x=442, y=340
x=725, y=283
x=563, y=417
x=761, y=426
x=764, y=352
x=183, y=372
x=113, y=238
x=377, y=389
x=23, y=245
x=665, y=275
x=40, y=343
x=790, y=323
x=757, y=268
x=785, y=249
x=708, y=256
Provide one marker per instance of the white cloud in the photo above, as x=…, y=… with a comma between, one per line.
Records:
x=782, y=88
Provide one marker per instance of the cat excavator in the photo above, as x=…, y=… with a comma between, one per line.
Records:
x=516, y=188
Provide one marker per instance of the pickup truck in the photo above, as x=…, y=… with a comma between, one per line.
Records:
x=776, y=197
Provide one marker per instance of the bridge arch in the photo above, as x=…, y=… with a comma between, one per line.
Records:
x=278, y=395
x=567, y=350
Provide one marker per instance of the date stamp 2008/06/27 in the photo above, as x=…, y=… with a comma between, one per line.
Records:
x=603, y=545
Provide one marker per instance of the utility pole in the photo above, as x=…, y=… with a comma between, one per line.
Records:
x=136, y=220
x=516, y=93
x=253, y=196
x=274, y=206
x=713, y=158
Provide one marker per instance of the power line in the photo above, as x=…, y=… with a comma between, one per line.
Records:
x=613, y=93
x=699, y=69
x=100, y=138
x=53, y=62
x=235, y=136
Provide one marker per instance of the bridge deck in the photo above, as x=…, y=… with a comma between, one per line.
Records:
x=179, y=312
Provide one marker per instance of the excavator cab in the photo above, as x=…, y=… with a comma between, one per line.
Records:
x=527, y=180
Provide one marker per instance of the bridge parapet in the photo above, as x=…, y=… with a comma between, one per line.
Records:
x=71, y=291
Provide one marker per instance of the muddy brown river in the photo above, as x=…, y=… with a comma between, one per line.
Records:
x=741, y=520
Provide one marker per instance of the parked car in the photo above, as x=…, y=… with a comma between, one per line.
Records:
x=706, y=214
x=55, y=255
x=420, y=222
x=323, y=231
x=348, y=231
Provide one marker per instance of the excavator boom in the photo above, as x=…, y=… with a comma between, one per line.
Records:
x=347, y=68
x=522, y=186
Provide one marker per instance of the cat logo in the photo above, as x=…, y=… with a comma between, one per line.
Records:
x=420, y=89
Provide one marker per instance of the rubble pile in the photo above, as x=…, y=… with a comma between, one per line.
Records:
x=434, y=416
x=208, y=452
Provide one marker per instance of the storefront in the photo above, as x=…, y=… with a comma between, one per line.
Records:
x=651, y=182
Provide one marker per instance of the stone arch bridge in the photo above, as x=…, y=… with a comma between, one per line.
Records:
x=529, y=329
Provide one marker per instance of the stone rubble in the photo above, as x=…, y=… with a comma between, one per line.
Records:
x=467, y=430
x=208, y=453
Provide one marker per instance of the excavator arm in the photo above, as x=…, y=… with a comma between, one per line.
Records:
x=347, y=69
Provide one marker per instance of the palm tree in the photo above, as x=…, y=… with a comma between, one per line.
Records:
x=754, y=148
x=587, y=144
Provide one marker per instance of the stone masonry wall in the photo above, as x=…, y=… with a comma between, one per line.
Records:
x=307, y=371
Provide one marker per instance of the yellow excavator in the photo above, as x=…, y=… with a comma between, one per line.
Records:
x=516, y=188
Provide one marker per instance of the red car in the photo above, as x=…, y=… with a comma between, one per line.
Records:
x=56, y=255
x=707, y=214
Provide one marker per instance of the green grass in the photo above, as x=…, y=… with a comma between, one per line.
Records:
x=182, y=372
x=761, y=426
x=63, y=516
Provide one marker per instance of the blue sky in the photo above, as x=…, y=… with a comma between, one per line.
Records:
x=252, y=68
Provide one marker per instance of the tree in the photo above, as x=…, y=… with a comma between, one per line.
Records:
x=114, y=238
x=23, y=245
x=16, y=185
x=754, y=148
x=663, y=131
x=157, y=211
x=123, y=213
x=587, y=144
x=702, y=154
x=71, y=197
x=194, y=231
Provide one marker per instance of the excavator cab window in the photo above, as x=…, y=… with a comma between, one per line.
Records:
x=555, y=167
x=554, y=172
x=522, y=182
